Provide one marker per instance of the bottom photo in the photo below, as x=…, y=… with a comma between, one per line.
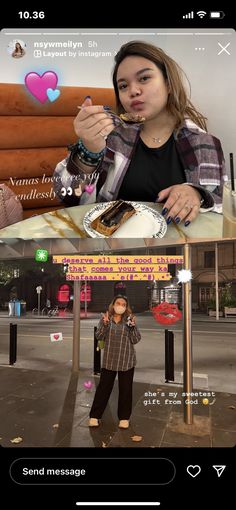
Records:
x=117, y=343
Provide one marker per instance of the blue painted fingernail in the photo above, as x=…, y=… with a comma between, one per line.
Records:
x=177, y=219
x=164, y=211
x=107, y=108
x=187, y=223
x=169, y=219
x=87, y=97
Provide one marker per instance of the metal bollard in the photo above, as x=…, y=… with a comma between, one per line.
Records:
x=96, y=355
x=169, y=356
x=13, y=344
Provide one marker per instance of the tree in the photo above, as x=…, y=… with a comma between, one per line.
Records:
x=226, y=298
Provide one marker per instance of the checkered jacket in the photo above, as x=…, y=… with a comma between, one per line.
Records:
x=119, y=352
x=200, y=153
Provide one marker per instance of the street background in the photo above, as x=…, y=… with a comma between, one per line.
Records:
x=44, y=404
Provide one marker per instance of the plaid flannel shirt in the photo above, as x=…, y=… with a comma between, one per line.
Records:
x=119, y=352
x=200, y=153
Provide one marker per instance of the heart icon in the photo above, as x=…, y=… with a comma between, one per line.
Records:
x=88, y=385
x=56, y=337
x=38, y=85
x=53, y=94
x=89, y=188
x=193, y=470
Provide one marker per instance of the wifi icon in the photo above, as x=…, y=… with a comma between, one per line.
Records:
x=201, y=14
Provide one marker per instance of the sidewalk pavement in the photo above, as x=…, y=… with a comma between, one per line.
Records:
x=51, y=408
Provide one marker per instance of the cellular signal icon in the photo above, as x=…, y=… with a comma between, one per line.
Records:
x=190, y=15
x=201, y=14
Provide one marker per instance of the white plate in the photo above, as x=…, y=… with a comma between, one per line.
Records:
x=146, y=222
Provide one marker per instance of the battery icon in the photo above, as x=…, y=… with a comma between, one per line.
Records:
x=217, y=14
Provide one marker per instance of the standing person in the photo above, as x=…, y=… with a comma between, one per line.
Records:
x=163, y=155
x=118, y=329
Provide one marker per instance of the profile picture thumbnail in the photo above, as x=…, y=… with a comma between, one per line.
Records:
x=17, y=48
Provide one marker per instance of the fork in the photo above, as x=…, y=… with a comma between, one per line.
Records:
x=117, y=120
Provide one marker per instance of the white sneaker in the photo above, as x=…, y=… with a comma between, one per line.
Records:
x=93, y=422
x=124, y=424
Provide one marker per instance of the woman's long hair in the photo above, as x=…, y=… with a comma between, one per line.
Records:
x=178, y=104
x=15, y=52
x=128, y=310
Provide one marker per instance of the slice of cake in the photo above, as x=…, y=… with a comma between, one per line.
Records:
x=110, y=220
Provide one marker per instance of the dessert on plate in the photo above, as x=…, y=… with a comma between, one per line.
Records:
x=111, y=219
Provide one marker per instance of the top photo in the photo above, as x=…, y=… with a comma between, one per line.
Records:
x=117, y=133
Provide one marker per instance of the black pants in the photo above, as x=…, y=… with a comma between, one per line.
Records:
x=104, y=390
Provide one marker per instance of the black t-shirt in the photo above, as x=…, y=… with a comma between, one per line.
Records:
x=151, y=170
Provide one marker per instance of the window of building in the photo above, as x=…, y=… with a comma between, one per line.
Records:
x=209, y=259
x=206, y=295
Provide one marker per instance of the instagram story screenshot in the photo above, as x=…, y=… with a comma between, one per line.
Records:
x=117, y=257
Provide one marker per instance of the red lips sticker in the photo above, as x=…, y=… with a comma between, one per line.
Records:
x=166, y=313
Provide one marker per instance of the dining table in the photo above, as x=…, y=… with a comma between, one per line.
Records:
x=70, y=223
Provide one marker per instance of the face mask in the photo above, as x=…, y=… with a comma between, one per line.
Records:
x=119, y=309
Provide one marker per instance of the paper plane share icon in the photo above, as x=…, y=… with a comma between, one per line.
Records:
x=219, y=470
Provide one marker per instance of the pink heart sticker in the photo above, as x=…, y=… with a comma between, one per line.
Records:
x=88, y=385
x=56, y=337
x=38, y=85
x=89, y=188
